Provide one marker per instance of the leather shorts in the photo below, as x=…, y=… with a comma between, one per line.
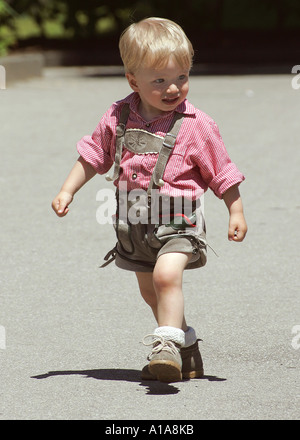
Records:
x=145, y=232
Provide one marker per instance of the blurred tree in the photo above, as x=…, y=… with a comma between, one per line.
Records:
x=81, y=17
x=89, y=19
x=7, y=23
x=39, y=10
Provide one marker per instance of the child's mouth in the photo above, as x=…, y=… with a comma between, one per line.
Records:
x=170, y=101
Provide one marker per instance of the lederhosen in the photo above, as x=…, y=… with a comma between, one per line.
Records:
x=149, y=224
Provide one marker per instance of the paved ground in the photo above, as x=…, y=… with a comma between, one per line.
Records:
x=70, y=333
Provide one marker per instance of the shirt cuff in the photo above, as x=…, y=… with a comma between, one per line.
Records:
x=95, y=156
x=228, y=177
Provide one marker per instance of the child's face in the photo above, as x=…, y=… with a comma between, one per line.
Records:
x=160, y=90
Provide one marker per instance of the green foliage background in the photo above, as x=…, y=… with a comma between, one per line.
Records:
x=86, y=19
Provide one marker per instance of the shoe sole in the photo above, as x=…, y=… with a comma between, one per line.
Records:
x=185, y=375
x=165, y=371
x=193, y=374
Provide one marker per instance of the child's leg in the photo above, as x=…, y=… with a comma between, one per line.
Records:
x=145, y=280
x=163, y=292
x=168, y=274
x=167, y=282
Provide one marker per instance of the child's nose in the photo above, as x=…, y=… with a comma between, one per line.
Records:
x=172, y=88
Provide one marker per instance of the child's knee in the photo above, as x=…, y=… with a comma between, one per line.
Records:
x=169, y=269
x=165, y=277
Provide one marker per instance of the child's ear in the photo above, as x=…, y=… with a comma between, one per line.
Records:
x=132, y=82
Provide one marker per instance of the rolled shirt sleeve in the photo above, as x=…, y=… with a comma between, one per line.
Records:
x=215, y=165
x=98, y=149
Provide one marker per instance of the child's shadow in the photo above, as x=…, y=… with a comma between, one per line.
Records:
x=153, y=386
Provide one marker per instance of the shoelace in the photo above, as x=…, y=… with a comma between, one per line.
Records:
x=159, y=343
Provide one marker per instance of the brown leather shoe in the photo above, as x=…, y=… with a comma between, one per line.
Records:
x=165, y=360
x=192, y=364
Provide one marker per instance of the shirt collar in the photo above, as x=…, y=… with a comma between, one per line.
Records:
x=186, y=108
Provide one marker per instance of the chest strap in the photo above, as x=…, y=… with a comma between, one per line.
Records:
x=120, y=133
x=164, y=154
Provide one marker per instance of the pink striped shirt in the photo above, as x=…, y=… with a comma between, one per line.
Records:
x=199, y=158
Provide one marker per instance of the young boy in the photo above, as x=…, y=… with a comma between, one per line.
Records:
x=165, y=151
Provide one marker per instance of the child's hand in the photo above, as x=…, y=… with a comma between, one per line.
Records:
x=237, y=227
x=237, y=224
x=61, y=203
x=79, y=175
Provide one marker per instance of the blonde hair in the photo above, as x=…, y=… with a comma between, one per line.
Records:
x=151, y=42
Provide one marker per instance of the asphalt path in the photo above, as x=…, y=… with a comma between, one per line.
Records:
x=70, y=333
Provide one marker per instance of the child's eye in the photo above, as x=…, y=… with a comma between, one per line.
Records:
x=182, y=77
x=159, y=81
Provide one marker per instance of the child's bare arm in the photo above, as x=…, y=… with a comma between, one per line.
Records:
x=81, y=173
x=237, y=224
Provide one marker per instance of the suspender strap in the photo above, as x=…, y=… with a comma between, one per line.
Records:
x=120, y=132
x=164, y=154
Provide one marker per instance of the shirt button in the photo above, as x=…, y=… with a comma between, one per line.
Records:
x=134, y=176
x=148, y=124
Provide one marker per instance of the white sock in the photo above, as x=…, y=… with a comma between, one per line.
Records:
x=190, y=337
x=173, y=334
